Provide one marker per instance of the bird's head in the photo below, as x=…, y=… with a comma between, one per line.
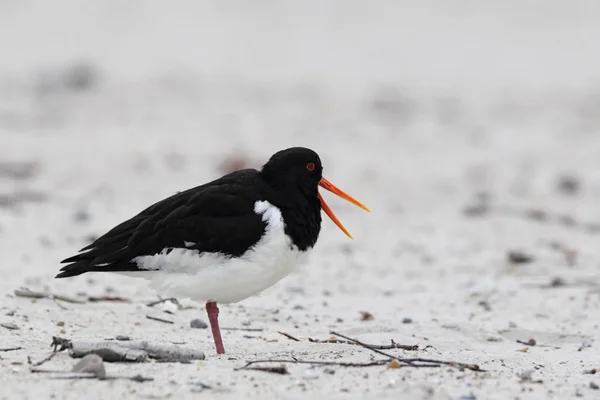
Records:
x=301, y=168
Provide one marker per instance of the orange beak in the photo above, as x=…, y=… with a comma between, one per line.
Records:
x=325, y=184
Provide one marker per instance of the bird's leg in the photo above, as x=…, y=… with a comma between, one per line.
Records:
x=213, y=317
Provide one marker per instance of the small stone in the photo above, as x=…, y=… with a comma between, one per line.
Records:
x=568, y=184
x=9, y=325
x=199, y=387
x=394, y=364
x=366, y=316
x=557, y=282
x=594, y=385
x=469, y=396
x=197, y=323
x=517, y=257
x=526, y=375
x=60, y=323
x=407, y=320
x=122, y=338
x=91, y=363
x=81, y=215
x=310, y=374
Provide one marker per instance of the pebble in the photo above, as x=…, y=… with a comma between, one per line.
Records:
x=122, y=338
x=91, y=363
x=9, y=325
x=407, y=320
x=60, y=323
x=594, y=385
x=526, y=375
x=81, y=215
x=197, y=323
x=310, y=374
x=469, y=396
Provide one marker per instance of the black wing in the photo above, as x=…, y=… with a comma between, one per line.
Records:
x=216, y=217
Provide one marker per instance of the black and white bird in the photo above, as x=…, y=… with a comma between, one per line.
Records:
x=224, y=241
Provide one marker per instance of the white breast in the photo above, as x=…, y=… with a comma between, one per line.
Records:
x=217, y=277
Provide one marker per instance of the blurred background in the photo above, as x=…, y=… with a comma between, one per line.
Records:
x=418, y=108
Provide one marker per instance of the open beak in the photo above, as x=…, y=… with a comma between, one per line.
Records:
x=325, y=184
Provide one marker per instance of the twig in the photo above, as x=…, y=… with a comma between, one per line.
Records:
x=45, y=360
x=273, y=370
x=10, y=349
x=366, y=346
x=391, y=346
x=171, y=299
x=330, y=363
x=88, y=375
x=166, y=321
x=115, y=299
x=287, y=335
x=243, y=329
x=58, y=344
x=411, y=361
x=41, y=295
x=62, y=342
x=55, y=300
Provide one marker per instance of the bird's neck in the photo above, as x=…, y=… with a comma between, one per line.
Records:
x=301, y=212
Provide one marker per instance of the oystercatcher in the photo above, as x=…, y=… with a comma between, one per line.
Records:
x=224, y=241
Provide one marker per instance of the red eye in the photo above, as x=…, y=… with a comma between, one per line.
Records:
x=310, y=166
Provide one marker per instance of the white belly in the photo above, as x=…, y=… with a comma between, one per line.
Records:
x=216, y=277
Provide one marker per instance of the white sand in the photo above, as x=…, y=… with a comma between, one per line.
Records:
x=413, y=109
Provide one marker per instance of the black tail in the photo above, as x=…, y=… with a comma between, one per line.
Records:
x=94, y=260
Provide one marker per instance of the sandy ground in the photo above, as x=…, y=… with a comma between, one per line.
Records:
x=494, y=149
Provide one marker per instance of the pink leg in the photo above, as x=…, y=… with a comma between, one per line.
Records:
x=213, y=317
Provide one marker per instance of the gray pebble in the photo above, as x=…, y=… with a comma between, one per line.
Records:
x=9, y=325
x=123, y=338
x=310, y=374
x=594, y=385
x=92, y=363
x=81, y=215
x=197, y=323
x=407, y=320
x=526, y=375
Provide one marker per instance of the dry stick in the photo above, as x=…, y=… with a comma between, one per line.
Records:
x=332, y=363
x=11, y=349
x=273, y=370
x=58, y=344
x=45, y=360
x=87, y=375
x=243, y=329
x=166, y=321
x=41, y=295
x=172, y=299
x=391, y=346
x=287, y=335
x=113, y=299
x=58, y=304
x=411, y=361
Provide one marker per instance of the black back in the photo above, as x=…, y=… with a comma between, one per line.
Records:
x=217, y=217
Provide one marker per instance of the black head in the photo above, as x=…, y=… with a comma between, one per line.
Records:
x=296, y=175
x=296, y=168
